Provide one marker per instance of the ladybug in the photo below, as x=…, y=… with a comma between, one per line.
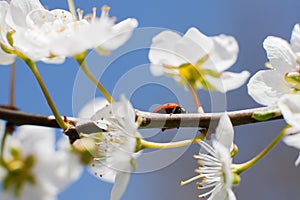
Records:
x=169, y=108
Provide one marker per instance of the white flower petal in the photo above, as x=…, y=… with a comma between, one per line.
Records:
x=280, y=54
x=120, y=185
x=121, y=32
x=124, y=112
x=36, y=140
x=231, y=195
x=118, y=162
x=103, y=172
x=228, y=80
x=224, y=131
x=193, y=46
x=23, y=42
x=223, y=154
x=292, y=140
x=55, y=60
x=39, y=17
x=6, y=59
x=162, y=49
x=267, y=86
x=3, y=9
x=31, y=192
x=224, y=53
x=295, y=38
x=215, y=191
x=297, y=162
x=290, y=109
x=68, y=168
x=18, y=11
x=128, y=113
x=220, y=194
x=92, y=107
x=156, y=70
x=3, y=173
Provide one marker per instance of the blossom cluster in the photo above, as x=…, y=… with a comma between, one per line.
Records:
x=279, y=85
x=50, y=36
x=31, y=168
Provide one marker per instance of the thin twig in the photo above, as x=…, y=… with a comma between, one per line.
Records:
x=150, y=120
x=12, y=85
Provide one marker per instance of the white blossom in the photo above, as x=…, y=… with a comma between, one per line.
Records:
x=215, y=167
x=52, y=35
x=267, y=86
x=5, y=58
x=111, y=137
x=197, y=59
x=33, y=169
x=290, y=109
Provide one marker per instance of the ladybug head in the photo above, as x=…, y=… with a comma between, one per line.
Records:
x=179, y=109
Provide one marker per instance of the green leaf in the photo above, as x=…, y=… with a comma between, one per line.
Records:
x=266, y=114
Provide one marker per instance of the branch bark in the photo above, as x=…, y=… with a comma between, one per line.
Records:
x=150, y=120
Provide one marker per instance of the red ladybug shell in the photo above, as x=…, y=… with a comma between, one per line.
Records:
x=169, y=108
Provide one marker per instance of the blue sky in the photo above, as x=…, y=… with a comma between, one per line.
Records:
x=250, y=22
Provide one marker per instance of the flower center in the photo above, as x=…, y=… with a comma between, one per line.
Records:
x=19, y=172
x=293, y=79
x=194, y=74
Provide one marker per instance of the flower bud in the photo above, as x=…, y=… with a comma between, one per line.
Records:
x=236, y=179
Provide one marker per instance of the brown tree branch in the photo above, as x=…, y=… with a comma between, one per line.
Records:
x=150, y=120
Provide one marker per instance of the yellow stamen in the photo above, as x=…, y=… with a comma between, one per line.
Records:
x=182, y=183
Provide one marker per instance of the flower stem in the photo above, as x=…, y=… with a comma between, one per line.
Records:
x=239, y=168
x=5, y=134
x=89, y=74
x=12, y=85
x=196, y=98
x=72, y=8
x=155, y=145
x=52, y=106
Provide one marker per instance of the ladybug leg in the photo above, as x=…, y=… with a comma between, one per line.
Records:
x=173, y=111
x=206, y=132
x=163, y=129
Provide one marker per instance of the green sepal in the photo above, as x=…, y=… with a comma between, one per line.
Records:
x=139, y=145
x=234, y=151
x=133, y=164
x=15, y=152
x=202, y=61
x=9, y=37
x=80, y=57
x=102, y=51
x=7, y=49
